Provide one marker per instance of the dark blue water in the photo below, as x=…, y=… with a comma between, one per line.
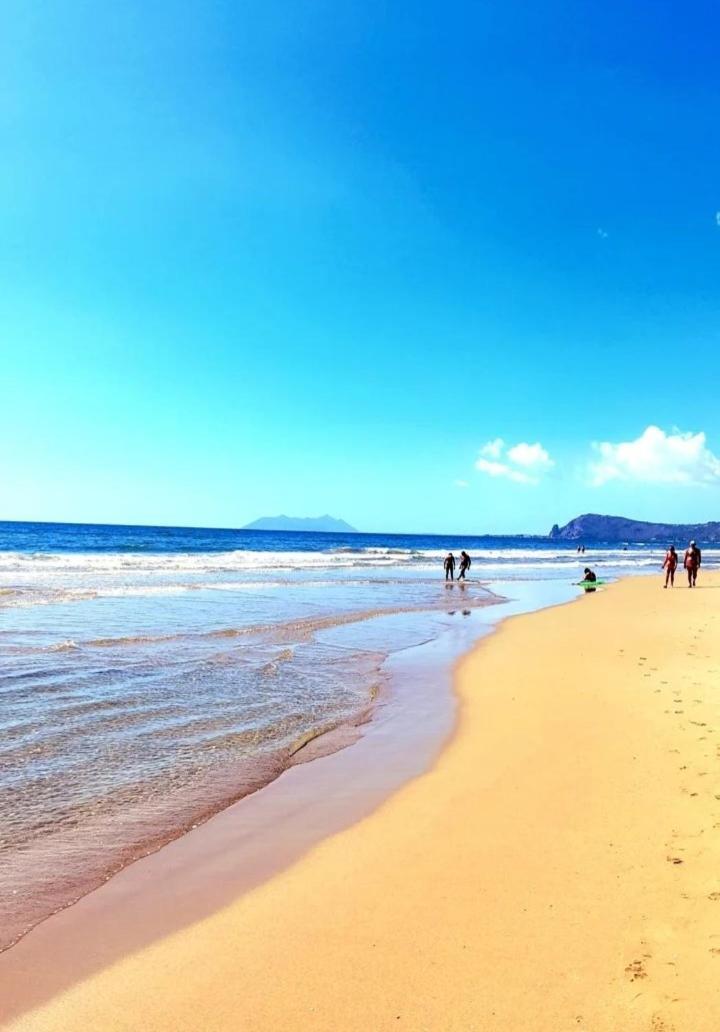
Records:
x=91, y=537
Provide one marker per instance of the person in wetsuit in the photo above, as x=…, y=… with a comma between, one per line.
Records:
x=449, y=565
x=465, y=564
x=670, y=566
x=693, y=558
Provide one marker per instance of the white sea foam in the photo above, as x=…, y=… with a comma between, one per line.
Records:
x=29, y=579
x=116, y=562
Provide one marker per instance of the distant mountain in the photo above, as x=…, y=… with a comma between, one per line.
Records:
x=324, y=523
x=592, y=527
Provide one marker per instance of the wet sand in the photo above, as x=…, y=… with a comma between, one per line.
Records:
x=557, y=868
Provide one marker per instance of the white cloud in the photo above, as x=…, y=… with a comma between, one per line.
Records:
x=602, y=233
x=656, y=458
x=530, y=456
x=522, y=463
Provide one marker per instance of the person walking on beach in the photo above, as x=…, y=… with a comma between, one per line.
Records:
x=693, y=558
x=449, y=565
x=465, y=564
x=670, y=565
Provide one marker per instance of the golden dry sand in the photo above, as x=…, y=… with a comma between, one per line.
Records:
x=558, y=869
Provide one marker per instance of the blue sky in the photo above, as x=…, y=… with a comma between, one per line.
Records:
x=315, y=257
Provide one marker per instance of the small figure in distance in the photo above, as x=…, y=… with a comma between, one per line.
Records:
x=582, y=549
x=693, y=558
x=449, y=565
x=670, y=565
x=465, y=564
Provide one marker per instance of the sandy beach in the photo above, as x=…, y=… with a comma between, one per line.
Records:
x=557, y=868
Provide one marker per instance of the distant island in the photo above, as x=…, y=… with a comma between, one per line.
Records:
x=592, y=527
x=327, y=524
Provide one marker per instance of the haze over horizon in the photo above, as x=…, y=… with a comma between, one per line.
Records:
x=445, y=270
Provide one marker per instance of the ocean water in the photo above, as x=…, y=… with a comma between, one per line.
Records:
x=151, y=676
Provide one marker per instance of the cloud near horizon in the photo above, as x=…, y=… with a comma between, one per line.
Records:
x=656, y=457
x=522, y=463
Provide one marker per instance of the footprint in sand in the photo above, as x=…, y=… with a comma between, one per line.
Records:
x=675, y=860
x=714, y=896
x=636, y=969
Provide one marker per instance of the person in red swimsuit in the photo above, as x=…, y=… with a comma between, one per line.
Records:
x=670, y=565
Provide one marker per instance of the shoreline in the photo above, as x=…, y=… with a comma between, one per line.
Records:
x=411, y=721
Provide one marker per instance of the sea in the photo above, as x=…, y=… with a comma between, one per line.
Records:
x=151, y=676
